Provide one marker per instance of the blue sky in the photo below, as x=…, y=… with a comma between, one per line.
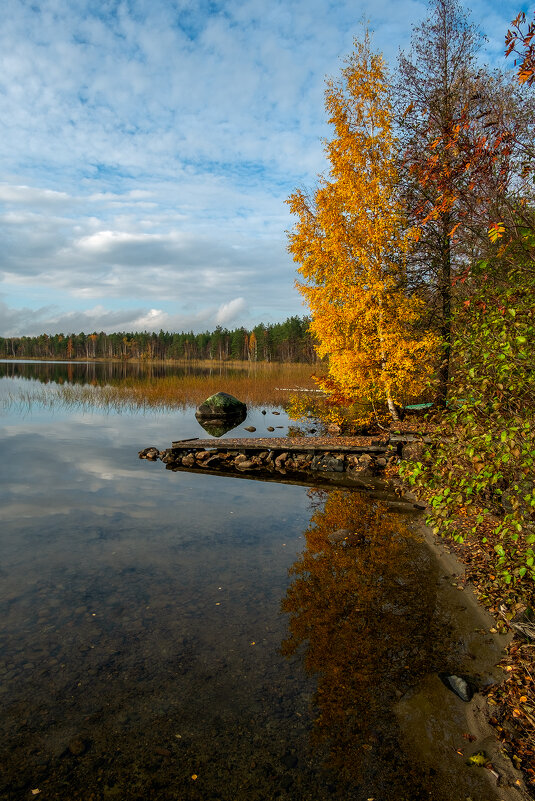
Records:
x=147, y=148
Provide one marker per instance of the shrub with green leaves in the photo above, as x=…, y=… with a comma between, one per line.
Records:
x=482, y=461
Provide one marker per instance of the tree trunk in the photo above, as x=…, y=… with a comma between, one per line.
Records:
x=391, y=407
x=384, y=375
x=445, y=299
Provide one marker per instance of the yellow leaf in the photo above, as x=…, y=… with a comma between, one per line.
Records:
x=479, y=759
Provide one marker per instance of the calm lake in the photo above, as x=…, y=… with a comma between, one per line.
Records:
x=177, y=636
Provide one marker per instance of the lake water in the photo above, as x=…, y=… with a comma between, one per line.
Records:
x=178, y=636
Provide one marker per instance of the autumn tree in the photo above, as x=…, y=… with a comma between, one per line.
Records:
x=437, y=88
x=484, y=459
x=468, y=141
x=516, y=217
x=253, y=347
x=350, y=242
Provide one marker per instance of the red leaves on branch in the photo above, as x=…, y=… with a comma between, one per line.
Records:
x=458, y=161
x=520, y=41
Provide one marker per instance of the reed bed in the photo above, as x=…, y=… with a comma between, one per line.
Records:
x=255, y=384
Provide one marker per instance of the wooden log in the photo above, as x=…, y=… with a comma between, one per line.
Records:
x=295, y=444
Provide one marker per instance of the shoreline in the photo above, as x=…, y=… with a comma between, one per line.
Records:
x=159, y=362
x=504, y=780
x=501, y=713
x=435, y=723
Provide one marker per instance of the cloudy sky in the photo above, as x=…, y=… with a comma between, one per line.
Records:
x=147, y=148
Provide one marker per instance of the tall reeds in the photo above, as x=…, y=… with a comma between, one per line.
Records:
x=255, y=384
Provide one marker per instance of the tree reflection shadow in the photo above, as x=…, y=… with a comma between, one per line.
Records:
x=360, y=608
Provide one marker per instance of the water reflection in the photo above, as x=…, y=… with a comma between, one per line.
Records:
x=139, y=621
x=361, y=605
x=102, y=373
x=140, y=626
x=368, y=621
x=217, y=427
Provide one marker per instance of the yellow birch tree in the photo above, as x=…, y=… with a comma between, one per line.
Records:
x=350, y=242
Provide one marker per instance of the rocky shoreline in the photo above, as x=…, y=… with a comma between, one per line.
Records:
x=283, y=461
x=358, y=458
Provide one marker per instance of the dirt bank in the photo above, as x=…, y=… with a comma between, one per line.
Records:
x=441, y=730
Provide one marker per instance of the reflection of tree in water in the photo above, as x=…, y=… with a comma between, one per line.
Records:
x=106, y=372
x=361, y=604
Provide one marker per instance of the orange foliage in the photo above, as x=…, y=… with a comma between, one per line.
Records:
x=516, y=37
x=350, y=241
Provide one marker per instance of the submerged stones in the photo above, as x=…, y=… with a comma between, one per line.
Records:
x=339, y=535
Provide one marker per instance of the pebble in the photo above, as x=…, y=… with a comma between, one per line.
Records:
x=338, y=535
x=289, y=761
x=459, y=686
x=162, y=752
x=77, y=746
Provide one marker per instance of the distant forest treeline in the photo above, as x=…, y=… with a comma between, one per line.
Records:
x=289, y=341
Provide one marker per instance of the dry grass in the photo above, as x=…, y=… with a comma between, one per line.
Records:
x=255, y=384
x=259, y=384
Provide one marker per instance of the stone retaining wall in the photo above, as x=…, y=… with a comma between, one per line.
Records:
x=361, y=465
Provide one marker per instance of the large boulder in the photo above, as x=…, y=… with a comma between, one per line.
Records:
x=221, y=406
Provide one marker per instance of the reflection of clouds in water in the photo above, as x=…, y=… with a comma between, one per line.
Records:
x=70, y=460
x=80, y=462
x=76, y=492
x=129, y=586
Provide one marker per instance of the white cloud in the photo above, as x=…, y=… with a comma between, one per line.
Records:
x=50, y=320
x=229, y=312
x=32, y=196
